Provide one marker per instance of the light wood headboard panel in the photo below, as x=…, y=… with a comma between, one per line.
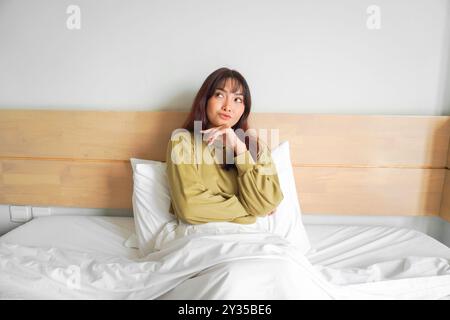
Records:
x=381, y=165
x=445, y=201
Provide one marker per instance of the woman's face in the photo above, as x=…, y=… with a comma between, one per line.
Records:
x=225, y=107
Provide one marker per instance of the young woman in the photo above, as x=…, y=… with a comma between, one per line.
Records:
x=236, y=185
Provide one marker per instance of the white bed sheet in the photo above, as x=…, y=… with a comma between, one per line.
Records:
x=333, y=247
x=343, y=246
x=98, y=234
x=339, y=246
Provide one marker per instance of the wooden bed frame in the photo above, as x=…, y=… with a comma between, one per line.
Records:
x=343, y=164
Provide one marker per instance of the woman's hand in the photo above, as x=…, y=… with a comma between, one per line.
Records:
x=231, y=139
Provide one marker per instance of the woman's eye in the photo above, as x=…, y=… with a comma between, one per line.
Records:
x=219, y=94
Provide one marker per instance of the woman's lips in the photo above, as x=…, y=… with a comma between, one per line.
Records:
x=225, y=117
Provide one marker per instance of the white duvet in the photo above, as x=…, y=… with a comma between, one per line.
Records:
x=205, y=263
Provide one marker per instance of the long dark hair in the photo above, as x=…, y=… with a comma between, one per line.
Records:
x=216, y=80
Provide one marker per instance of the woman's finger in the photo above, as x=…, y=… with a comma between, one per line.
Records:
x=215, y=135
x=212, y=138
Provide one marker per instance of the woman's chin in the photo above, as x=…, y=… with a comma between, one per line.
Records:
x=223, y=122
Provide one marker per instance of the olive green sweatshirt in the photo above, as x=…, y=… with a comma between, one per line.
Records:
x=202, y=191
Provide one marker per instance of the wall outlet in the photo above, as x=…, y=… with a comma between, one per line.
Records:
x=20, y=213
x=41, y=211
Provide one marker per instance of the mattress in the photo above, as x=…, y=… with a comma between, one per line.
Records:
x=96, y=234
x=86, y=257
x=361, y=246
x=335, y=246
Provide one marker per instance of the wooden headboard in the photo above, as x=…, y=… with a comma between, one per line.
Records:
x=343, y=164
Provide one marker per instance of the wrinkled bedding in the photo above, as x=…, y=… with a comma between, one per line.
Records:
x=201, y=264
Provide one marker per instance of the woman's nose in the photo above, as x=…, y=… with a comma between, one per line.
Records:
x=227, y=105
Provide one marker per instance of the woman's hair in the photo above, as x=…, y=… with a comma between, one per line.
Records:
x=215, y=80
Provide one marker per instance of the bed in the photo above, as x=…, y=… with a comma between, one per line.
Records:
x=335, y=250
x=347, y=165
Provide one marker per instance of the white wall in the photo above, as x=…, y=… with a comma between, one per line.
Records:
x=315, y=56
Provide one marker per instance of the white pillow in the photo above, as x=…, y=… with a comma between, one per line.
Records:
x=286, y=221
x=151, y=203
